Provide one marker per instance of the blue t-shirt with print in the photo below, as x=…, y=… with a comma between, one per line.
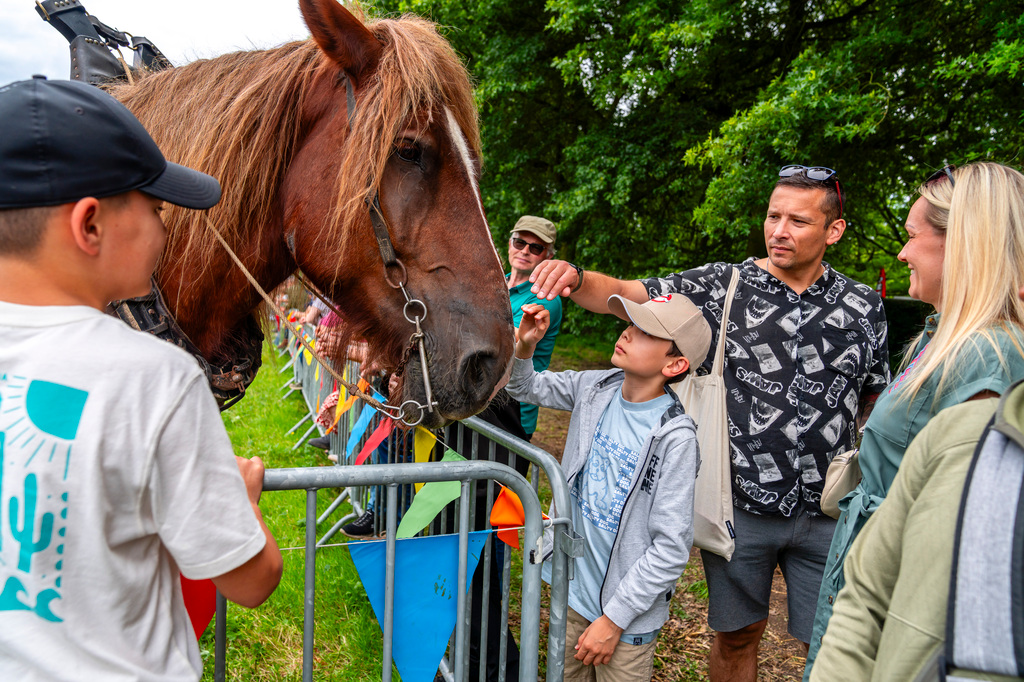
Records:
x=599, y=492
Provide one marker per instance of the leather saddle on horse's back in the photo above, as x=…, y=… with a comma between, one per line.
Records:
x=93, y=44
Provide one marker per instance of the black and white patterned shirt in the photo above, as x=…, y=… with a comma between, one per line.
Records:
x=796, y=367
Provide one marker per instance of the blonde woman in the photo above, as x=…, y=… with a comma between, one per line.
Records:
x=965, y=251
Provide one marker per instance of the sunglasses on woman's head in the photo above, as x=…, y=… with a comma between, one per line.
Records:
x=535, y=249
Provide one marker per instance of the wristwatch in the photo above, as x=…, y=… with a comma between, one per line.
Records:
x=579, y=278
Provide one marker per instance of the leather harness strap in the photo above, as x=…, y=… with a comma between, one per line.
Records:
x=228, y=382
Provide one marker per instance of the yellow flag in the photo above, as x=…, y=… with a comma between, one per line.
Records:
x=343, y=407
x=424, y=443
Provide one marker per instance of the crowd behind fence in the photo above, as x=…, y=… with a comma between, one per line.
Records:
x=386, y=483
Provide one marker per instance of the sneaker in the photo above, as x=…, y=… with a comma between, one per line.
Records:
x=323, y=442
x=361, y=527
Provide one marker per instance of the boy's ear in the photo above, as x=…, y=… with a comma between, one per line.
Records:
x=85, y=229
x=675, y=367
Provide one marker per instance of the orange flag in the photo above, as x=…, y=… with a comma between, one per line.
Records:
x=507, y=516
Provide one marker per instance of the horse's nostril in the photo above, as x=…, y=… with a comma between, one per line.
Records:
x=478, y=373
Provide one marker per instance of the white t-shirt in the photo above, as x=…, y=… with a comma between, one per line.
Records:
x=115, y=472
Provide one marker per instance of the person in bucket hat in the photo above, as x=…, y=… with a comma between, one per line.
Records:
x=111, y=440
x=630, y=462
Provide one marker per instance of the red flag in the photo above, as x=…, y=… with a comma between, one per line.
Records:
x=880, y=285
x=378, y=436
x=200, y=602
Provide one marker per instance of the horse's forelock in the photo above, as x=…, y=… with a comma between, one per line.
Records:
x=418, y=73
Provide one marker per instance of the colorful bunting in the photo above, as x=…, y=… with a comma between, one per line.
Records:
x=423, y=444
x=426, y=580
x=429, y=500
x=507, y=513
x=380, y=433
x=359, y=429
x=200, y=598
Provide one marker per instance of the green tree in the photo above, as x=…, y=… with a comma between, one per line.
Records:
x=651, y=131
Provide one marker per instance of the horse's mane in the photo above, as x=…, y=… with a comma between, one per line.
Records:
x=238, y=118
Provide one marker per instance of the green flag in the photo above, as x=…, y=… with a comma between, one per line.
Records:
x=430, y=500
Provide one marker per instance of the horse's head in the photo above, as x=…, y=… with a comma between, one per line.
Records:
x=410, y=136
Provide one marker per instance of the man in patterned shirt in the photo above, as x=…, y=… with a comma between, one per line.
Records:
x=806, y=356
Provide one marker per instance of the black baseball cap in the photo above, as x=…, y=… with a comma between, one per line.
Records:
x=61, y=141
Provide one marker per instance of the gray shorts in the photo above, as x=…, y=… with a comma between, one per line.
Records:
x=739, y=590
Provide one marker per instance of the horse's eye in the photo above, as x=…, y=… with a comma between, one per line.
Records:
x=409, y=151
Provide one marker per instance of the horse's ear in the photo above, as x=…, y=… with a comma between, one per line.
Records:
x=341, y=36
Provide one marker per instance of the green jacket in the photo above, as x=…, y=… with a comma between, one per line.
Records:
x=890, y=618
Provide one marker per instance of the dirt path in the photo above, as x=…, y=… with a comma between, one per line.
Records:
x=686, y=640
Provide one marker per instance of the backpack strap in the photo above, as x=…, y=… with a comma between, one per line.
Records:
x=985, y=618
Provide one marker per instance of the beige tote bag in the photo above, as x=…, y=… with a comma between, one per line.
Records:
x=703, y=398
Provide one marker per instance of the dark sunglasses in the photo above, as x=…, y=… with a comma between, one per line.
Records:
x=535, y=249
x=945, y=171
x=819, y=173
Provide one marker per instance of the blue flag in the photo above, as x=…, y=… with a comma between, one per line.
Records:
x=359, y=429
x=426, y=580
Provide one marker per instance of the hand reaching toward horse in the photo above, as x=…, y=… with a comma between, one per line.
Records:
x=553, y=278
x=532, y=328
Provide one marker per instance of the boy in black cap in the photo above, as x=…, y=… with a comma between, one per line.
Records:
x=115, y=469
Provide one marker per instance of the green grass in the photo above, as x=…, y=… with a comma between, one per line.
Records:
x=266, y=643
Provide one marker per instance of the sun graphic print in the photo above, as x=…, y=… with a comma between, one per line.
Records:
x=38, y=424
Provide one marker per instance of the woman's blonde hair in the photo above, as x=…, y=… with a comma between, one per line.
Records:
x=982, y=215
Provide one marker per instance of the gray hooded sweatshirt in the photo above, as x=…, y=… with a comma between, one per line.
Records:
x=655, y=532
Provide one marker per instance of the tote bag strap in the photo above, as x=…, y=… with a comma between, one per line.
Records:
x=719, y=365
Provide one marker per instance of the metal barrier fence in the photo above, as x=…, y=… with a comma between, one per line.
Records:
x=388, y=480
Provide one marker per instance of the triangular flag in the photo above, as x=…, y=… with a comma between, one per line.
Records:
x=200, y=598
x=341, y=409
x=379, y=434
x=359, y=429
x=429, y=500
x=507, y=512
x=426, y=580
x=423, y=444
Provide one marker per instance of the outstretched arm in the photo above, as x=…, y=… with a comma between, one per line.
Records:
x=558, y=278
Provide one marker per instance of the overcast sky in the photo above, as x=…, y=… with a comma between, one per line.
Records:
x=184, y=30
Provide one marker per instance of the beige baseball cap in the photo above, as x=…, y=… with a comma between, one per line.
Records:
x=541, y=227
x=672, y=317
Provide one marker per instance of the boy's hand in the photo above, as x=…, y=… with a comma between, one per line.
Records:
x=597, y=643
x=532, y=328
x=252, y=474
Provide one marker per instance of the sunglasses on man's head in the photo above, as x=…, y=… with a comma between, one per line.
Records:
x=946, y=171
x=819, y=173
x=535, y=249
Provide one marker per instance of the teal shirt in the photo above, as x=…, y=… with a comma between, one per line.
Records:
x=887, y=434
x=520, y=295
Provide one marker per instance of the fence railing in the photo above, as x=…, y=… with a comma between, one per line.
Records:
x=387, y=481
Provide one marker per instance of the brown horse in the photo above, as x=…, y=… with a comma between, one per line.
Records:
x=299, y=169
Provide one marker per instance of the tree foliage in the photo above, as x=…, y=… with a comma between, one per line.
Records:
x=651, y=130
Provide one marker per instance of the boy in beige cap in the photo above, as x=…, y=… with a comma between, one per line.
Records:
x=630, y=461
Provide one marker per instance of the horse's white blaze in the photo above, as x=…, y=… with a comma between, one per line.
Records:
x=457, y=136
